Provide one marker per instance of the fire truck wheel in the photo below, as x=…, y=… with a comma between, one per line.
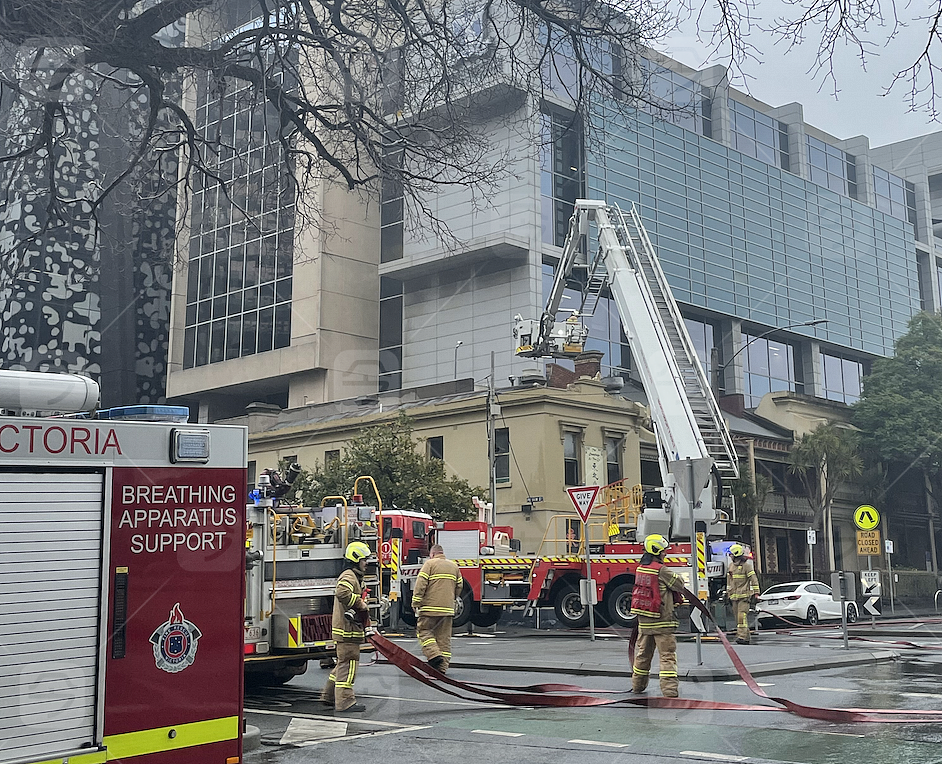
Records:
x=570, y=611
x=462, y=609
x=619, y=606
x=486, y=617
x=275, y=677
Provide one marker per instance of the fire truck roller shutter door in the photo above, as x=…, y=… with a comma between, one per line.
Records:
x=50, y=577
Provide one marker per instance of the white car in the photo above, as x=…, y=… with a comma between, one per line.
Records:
x=808, y=601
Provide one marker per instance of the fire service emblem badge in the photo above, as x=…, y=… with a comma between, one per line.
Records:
x=175, y=642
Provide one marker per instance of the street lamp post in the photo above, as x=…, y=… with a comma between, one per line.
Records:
x=457, y=345
x=719, y=368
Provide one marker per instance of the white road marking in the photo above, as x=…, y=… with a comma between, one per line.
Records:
x=719, y=756
x=599, y=742
x=921, y=695
x=498, y=732
x=326, y=718
x=831, y=689
x=364, y=734
x=302, y=731
x=761, y=684
x=476, y=704
x=842, y=734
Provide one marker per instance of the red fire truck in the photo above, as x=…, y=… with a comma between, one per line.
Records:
x=294, y=555
x=121, y=583
x=498, y=577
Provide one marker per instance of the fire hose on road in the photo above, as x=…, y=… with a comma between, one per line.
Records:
x=550, y=695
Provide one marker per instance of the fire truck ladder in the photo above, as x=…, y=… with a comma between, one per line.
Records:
x=709, y=418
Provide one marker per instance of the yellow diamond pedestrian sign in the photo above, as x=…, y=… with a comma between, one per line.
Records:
x=866, y=517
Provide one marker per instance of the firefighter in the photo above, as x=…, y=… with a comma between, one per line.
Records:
x=742, y=588
x=433, y=601
x=350, y=620
x=657, y=589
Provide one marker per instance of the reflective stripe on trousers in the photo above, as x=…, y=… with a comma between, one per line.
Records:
x=339, y=689
x=434, y=634
x=666, y=645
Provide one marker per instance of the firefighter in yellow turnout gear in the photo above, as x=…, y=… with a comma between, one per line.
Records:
x=742, y=587
x=652, y=601
x=351, y=618
x=439, y=585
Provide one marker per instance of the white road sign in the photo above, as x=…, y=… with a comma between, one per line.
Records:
x=870, y=583
x=812, y=537
x=583, y=499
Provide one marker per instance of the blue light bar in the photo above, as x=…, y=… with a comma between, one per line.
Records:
x=147, y=413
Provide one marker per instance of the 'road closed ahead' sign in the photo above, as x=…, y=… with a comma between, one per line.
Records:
x=868, y=543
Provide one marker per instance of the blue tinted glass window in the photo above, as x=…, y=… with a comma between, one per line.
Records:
x=832, y=168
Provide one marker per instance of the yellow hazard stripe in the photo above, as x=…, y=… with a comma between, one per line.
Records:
x=184, y=736
x=496, y=562
x=294, y=632
x=394, y=556
x=98, y=757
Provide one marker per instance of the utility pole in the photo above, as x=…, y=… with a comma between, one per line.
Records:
x=493, y=409
x=694, y=578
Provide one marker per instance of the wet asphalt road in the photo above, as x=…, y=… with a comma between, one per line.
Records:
x=406, y=721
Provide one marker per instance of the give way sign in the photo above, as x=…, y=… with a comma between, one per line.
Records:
x=583, y=498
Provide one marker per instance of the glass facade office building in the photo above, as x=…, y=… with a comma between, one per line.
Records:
x=740, y=237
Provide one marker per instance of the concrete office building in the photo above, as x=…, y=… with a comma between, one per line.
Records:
x=760, y=220
x=796, y=257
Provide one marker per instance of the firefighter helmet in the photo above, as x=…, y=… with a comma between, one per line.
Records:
x=737, y=550
x=655, y=544
x=356, y=551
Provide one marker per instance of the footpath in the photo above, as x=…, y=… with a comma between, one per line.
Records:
x=517, y=648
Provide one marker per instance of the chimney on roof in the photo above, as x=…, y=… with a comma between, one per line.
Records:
x=589, y=364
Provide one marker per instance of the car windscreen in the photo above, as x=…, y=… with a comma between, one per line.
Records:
x=782, y=589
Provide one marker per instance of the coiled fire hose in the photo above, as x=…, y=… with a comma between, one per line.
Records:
x=550, y=694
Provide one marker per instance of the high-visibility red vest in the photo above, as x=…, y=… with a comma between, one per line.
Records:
x=646, y=596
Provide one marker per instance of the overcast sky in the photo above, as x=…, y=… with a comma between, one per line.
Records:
x=859, y=108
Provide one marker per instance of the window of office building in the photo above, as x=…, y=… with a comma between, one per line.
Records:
x=935, y=204
x=390, y=334
x=701, y=334
x=613, y=448
x=832, y=167
x=758, y=135
x=502, y=454
x=562, y=75
x=894, y=195
x=605, y=330
x=768, y=366
x=842, y=378
x=572, y=446
x=436, y=447
x=239, y=283
x=673, y=98
x=561, y=180
x=392, y=216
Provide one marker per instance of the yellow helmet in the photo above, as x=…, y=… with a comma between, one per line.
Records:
x=655, y=544
x=737, y=550
x=356, y=551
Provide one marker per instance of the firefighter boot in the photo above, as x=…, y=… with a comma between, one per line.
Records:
x=356, y=708
x=437, y=663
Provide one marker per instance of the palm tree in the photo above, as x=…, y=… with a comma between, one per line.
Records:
x=823, y=459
